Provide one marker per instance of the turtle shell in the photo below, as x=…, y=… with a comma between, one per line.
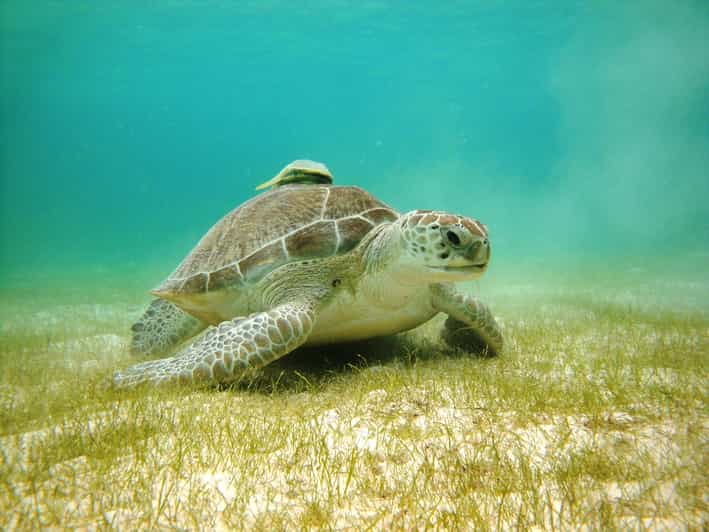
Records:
x=286, y=224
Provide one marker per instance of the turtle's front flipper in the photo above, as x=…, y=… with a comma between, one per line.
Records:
x=162, y=327
x=470, y=323
x=225, y=352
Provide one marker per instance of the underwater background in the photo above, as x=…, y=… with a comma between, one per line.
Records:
x=578, y=132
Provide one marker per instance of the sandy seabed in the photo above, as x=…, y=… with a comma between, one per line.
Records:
x=594, y=417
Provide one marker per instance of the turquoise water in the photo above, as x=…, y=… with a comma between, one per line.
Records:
x=571, y=129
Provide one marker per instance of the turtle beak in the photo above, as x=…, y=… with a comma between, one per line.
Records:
x=478, y=252
x=472, y=248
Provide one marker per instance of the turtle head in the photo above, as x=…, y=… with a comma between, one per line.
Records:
x=441, y=247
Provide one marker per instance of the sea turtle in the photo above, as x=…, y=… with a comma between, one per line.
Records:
x=308, y=262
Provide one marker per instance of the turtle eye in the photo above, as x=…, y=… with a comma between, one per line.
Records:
x=456, y=236
x=453, y=238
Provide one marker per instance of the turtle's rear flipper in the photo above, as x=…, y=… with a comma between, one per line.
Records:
x=162, y=327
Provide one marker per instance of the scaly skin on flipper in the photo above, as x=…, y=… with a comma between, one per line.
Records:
x=225, y=352
x=162, y=327
x=470, y=323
